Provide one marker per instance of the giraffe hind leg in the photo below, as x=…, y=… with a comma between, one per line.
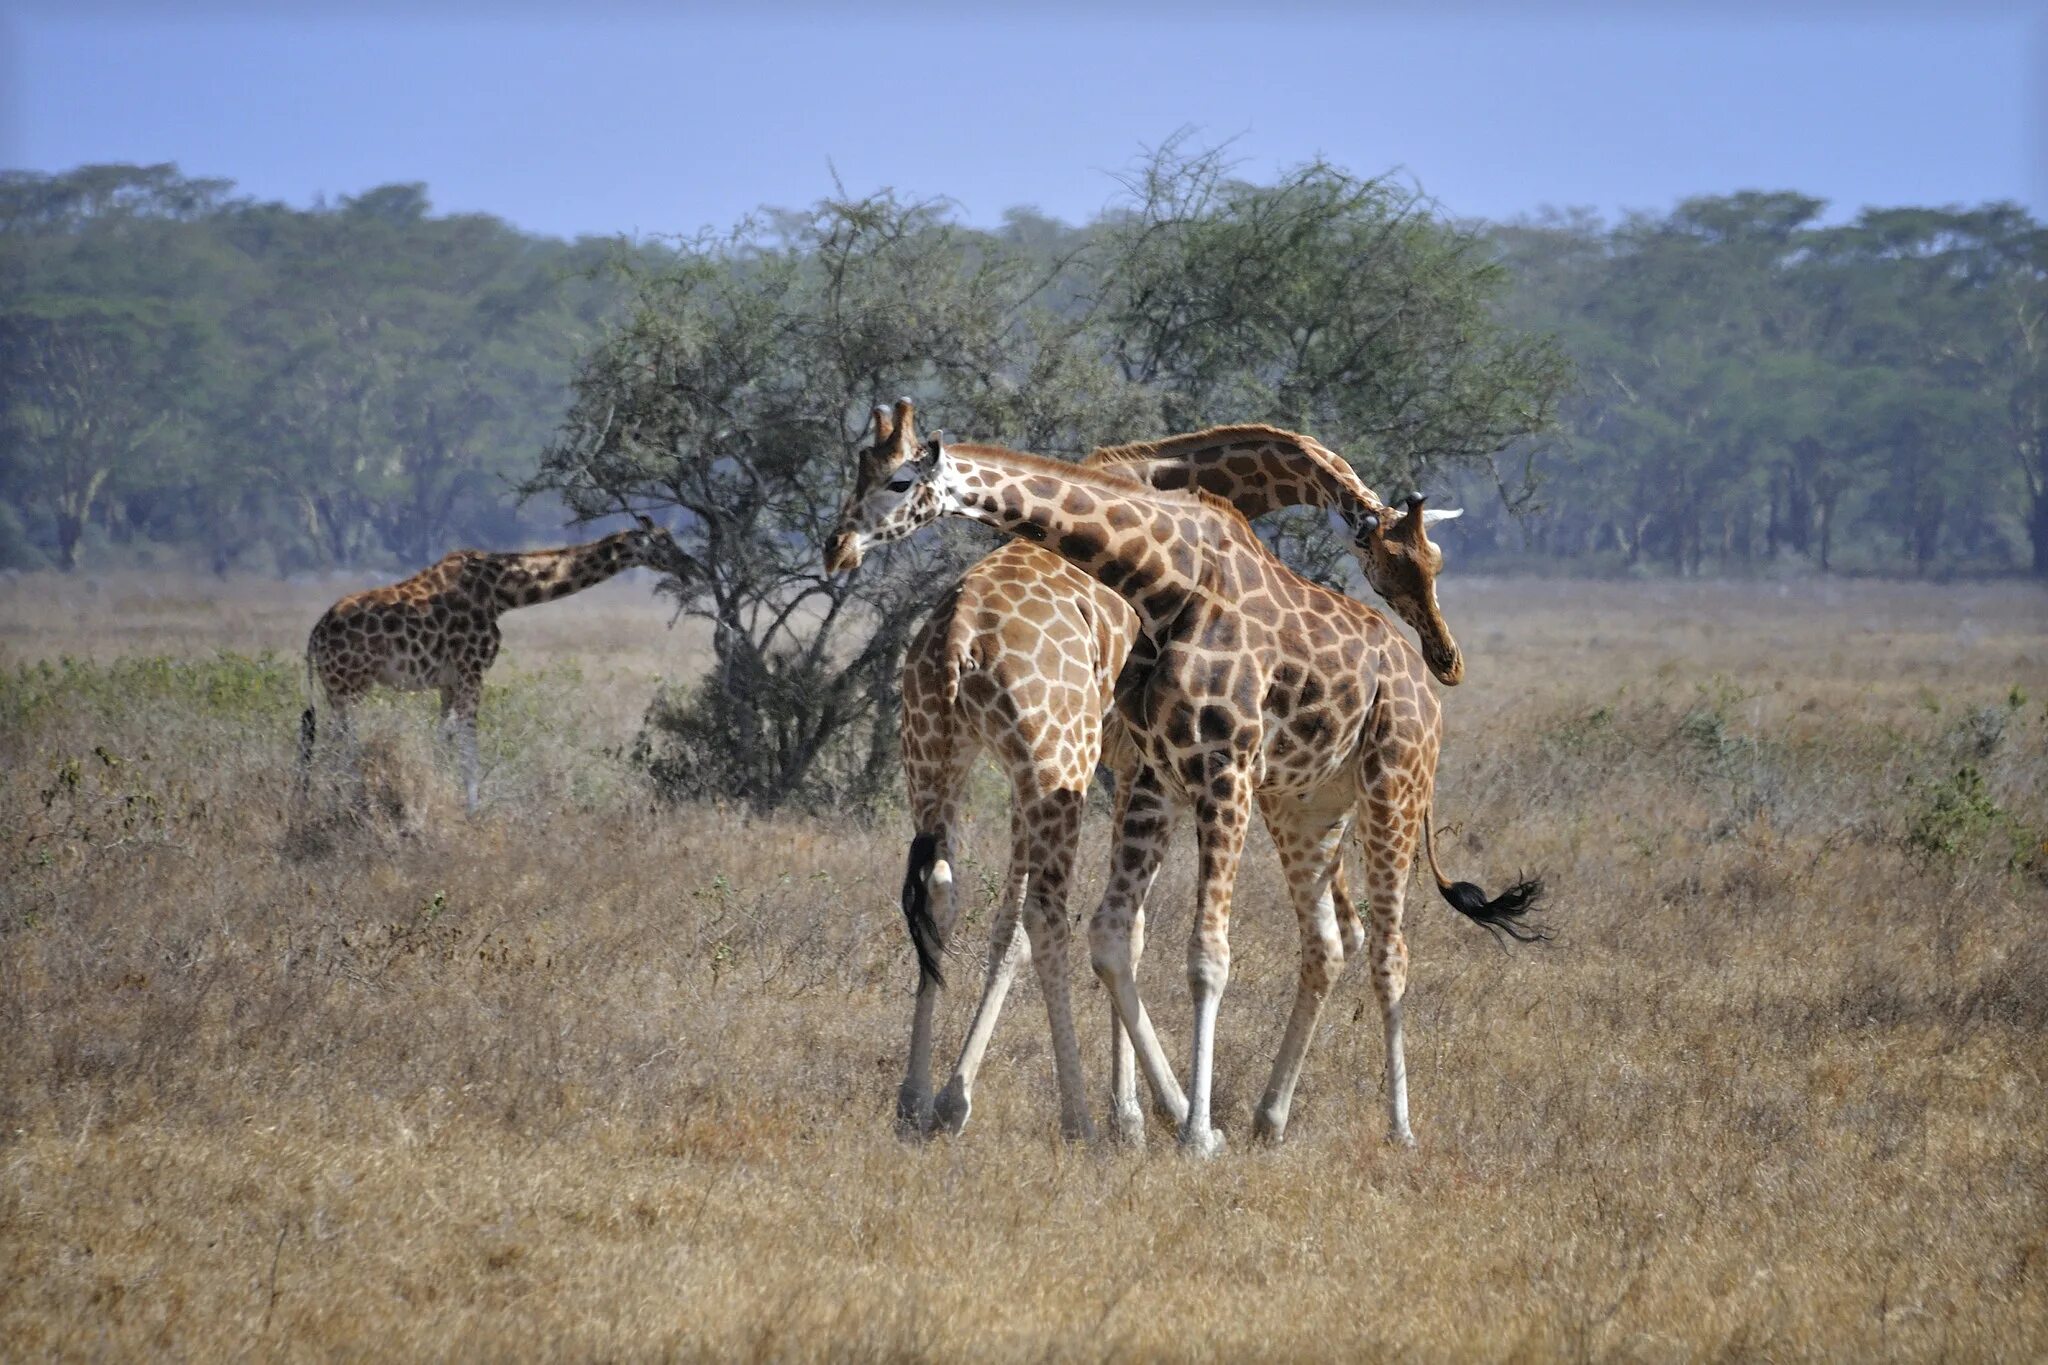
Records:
x=1311, y=855
x=936, y=763
x=459, y=705
x=1390, y=838
x=303, y=780
x=1008, y=949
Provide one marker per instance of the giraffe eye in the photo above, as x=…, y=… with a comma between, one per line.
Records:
x=901, y=480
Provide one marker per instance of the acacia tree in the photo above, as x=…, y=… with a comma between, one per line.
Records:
x=89, y=385
x=1328, y=303
x=736, y=391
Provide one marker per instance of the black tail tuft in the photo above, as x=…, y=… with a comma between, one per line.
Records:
x=917, y=907
x=1501, y=915
x=305, y=734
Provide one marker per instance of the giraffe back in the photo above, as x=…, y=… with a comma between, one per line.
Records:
x=432, y=630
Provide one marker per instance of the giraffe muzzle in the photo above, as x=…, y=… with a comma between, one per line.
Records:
x=842, y=553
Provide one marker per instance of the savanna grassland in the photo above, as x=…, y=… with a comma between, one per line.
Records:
x=589, y=1076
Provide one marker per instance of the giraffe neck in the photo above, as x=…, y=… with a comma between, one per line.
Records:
x=1153, y=549
x=1257, y=469
x=525, y=580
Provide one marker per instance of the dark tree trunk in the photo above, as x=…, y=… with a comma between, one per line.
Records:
x=1927, y=532
x=70, y=527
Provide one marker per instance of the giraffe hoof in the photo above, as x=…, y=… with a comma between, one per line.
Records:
x=1269, y=1128
x=1127, y=1126
x=1401, y=1138
x=949, y=1115
x=1205, y=1144
x=913, y=1115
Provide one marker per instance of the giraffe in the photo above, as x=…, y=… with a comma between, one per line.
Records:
x=439, y=629
x=1018, y=661
x=1246, y=685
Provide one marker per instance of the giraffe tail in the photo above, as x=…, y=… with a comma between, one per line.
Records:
x=1503, y=914
x=917, y=908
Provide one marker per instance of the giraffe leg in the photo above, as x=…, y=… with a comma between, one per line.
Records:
x=349, y=748
x=303, y=779
x=914, y=1096
x=1311, y=855
x=1126, y=1116
x=1350, y=928
x=1053, y=834
x=1116, y=932
x=936, y=763
x=1222, y=813
x=1008, y=949
x=1390, y=839
x=459, y=706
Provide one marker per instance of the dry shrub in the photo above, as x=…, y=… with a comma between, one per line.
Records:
x=594, y=1075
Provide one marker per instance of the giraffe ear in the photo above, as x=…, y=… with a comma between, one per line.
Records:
x=1437, y=514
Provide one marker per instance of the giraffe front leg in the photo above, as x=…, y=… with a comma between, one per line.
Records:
x=1311, y=857
x=1221, y=813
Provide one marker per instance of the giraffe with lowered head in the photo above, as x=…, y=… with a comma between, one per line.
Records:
x=439, y=630
x=1246, y=684
x=1018, y=660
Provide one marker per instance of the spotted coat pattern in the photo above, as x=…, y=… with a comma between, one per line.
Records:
x=438, y=630
x=1018, y=661
x=1245, y=685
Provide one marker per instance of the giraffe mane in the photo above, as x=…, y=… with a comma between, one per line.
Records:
x=1168, y=447
x=1089, y=475
x=1105, y=480
x=1112, y=484
x=546, y=552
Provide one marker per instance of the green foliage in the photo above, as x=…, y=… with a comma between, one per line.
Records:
x=259, y=690
x=1759, y=388
x=1958, y=819
x=348, y=383
x=1326, y=303
x=18, y=549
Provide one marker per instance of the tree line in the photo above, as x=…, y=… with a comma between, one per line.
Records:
x=1735, y=384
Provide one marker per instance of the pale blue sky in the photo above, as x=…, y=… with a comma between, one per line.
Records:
x=639, y=120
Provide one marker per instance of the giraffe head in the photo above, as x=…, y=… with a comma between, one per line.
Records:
x=891, y=497
x=1401, y=564
x=650, y=545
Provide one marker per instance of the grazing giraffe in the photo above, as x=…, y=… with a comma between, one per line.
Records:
x=1246, y=685
x=439, y=629
x=1019, y=661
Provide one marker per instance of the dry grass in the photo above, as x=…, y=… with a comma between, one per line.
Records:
x=584, y=1077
